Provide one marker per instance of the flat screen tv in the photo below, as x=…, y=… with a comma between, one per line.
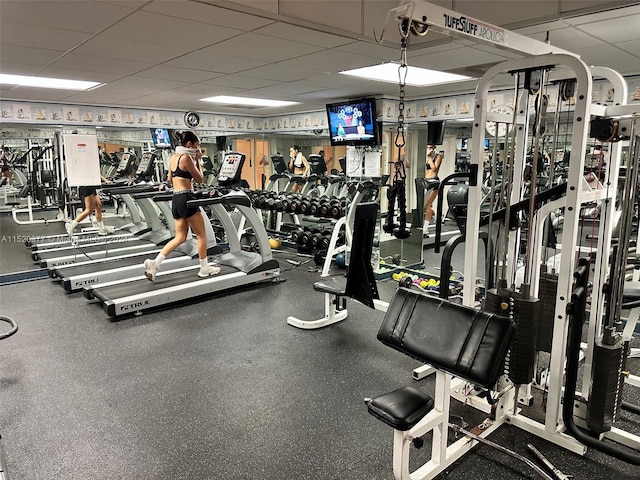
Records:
x=435, y=132
x=353, y=122
x=161, y=137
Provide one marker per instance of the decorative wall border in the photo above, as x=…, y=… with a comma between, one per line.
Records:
x=416, y=111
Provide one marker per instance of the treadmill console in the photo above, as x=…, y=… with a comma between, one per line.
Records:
x=231, y=169
x=145, y=169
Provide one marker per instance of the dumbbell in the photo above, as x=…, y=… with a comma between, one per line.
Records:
x=316, y=239
x=285, y=203
x=305, y=206
x=337, y=208
x=314, y=206
x=305, y=238
x=324, y=208
x=295, y=234
x=294, y=207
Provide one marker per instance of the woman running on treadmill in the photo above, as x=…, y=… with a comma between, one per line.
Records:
x=431, y=169
x=300, y=166
x=184, y=169
x=92, y=203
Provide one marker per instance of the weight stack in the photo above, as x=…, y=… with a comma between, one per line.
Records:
x=606, y=386
x=523, y=348
x=498, y=302
x=547, y=291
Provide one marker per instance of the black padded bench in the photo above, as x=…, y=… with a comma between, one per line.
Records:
x=454, y=339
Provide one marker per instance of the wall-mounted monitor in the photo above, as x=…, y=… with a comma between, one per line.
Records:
x=435, y=132
x=353, y=122
x=161, y=137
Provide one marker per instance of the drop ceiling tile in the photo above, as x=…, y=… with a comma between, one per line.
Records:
x=214, y=59
x=28, y=55
x=632, y=47
x=97, y=97
x=72, y=74
x=165, y=72
x=177, y=32
x=336, y=14
x=76, y=16
x=266, y=49
x=200, y=90
x=612, y=57
x=279, y=72
x=141, y=86
x=40, y=94
x=211, y=14
x=617, y=10
x=614, y=30
x=329, y=61
x=504, y=12
x=131, y=4
x=282, y=90
x=240, y=81
x=337, y=94
x=13, y=33
x=372, y=50
x=303, y=35
x=328, y=80
x=92, y=63
x=541, y=27
x=18, y=68
x=265, y=5
x=569, y=39
x=110, y=47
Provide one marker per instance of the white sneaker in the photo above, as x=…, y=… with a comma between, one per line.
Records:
x=70, y=227
x=103, y=231
x=208, y=271
x=150, y=269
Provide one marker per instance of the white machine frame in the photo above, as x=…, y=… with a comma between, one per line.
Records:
x=447, y=387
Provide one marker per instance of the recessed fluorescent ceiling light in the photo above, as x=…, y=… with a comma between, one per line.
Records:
x=44, y=82
x=416, y=76
x=258, y=102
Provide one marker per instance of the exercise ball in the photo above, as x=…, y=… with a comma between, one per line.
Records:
x=340, y=260
x=275, y=243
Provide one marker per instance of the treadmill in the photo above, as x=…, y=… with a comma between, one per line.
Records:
x=87, y=275
x=153, y=234
x=238, y=267
x=88, y=235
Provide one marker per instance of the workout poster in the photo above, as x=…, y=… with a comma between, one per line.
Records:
x=82, y=160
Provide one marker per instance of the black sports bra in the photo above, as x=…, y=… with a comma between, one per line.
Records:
x=178, y=172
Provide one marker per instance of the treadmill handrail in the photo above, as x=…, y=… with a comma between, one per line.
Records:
x=235, y=198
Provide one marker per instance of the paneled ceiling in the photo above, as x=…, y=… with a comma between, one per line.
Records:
x=167, y=54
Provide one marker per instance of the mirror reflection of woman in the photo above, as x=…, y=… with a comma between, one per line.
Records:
x=300, y=166
x=431, y=169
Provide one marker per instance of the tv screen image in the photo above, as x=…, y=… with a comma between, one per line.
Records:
x=353, y=122
x=161, y=137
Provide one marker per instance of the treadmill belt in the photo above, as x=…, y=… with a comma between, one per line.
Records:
x=162, y=281
x=110, y=263
x=89, y=249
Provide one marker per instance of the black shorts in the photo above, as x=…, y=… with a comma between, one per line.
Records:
x=431, y=183
x=179, y=207
x=5, y=168
x=87, y=192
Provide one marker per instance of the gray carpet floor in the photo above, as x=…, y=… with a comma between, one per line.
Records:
x=221, y=388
